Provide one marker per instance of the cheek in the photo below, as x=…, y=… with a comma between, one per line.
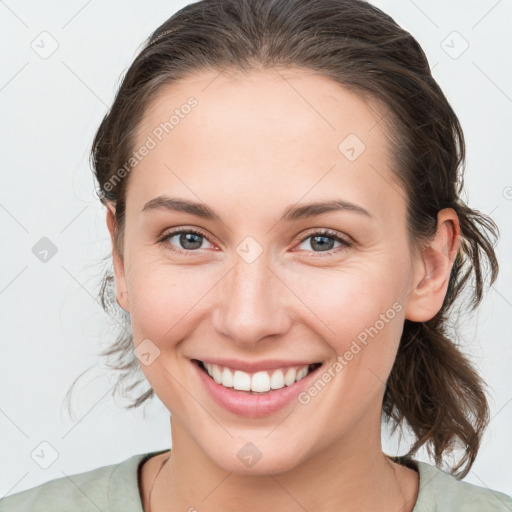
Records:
x=351, y=298
x=166, y=306
x=164, y=300
x=359, y=312
x=364, y=322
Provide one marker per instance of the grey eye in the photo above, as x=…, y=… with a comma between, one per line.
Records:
x=319, y=243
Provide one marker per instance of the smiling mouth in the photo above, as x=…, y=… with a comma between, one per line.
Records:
x=257, y=383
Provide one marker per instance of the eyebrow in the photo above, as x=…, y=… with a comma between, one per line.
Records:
x=291, y=213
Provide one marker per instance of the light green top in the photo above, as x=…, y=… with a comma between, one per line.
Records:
x=115, y=488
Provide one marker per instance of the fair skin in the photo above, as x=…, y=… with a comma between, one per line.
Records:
x=251, y=148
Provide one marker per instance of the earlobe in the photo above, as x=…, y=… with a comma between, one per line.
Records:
x=433, y=268
x=117, y=262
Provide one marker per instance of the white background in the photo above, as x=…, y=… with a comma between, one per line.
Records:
x=52, y=326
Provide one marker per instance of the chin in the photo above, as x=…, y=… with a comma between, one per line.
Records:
x=257, y=458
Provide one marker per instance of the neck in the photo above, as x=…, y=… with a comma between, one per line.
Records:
x=348, y=476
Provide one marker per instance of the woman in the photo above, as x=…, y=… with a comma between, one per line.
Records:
x=282, y=181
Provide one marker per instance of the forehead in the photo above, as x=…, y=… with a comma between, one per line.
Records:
x=291, y=130
x=292, y=103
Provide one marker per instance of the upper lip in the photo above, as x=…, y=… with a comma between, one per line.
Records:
x=255, y=366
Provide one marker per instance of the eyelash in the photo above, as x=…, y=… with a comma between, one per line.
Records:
x=345, y=244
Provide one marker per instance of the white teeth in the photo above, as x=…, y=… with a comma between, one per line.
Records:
x=290, y=376
x=302, y=373
x=260, y=382
x=216, y=374
x=241, y=381
x=277, y=380
x=227, y=378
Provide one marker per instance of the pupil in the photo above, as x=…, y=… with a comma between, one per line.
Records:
x=325, y=243
x=190, y=238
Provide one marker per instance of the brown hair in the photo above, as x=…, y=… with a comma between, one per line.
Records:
x=432, y=388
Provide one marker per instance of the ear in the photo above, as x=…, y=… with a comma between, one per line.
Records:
x=432, y=269
x=118, y=263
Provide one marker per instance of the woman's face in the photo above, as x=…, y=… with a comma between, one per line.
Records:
x=253, y=283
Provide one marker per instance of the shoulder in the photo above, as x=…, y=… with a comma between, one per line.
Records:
x=440, y=491
x=98, y=489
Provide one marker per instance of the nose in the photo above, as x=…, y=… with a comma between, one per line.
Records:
x=251, y=303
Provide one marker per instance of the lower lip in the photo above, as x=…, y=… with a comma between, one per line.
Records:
x=247, y=404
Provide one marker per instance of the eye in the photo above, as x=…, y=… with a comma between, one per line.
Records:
x=323, y=241
x=186, y=240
